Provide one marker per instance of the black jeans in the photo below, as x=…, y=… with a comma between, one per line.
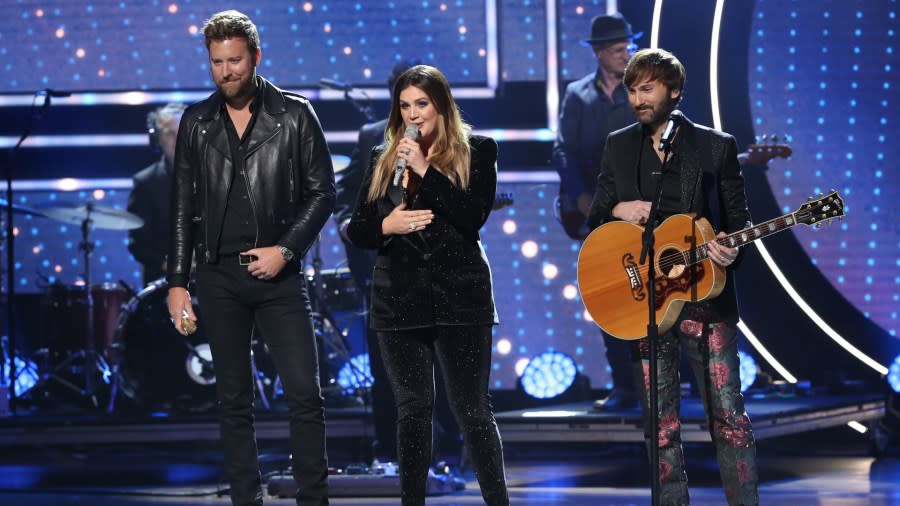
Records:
x=464, y=353
x=231, y=302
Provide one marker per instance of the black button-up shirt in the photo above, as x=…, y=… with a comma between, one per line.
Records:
x=239, y=228
x=649, y=173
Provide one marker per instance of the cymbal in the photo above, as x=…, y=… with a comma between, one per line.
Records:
x=19, y=209
x=339, y=162
x=74, y=213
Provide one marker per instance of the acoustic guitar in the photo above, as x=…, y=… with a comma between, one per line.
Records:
x=574, y=223
x=613, y=286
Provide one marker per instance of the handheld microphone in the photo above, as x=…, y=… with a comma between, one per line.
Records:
x=675, y=119
x=335, y=85
x=412, y=132
x=55, y=93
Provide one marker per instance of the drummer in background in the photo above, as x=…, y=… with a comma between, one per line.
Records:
x=149, y=197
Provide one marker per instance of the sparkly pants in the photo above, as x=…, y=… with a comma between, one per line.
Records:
x=711, y=348
x=464, y=353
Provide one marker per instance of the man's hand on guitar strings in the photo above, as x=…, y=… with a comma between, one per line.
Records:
x=720, y=254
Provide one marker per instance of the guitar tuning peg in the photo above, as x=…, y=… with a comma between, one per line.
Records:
x=774, y=139
x=762, y=139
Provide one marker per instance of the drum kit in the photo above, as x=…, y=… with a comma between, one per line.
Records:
x=107, y=344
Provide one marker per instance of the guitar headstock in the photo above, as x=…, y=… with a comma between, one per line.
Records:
x=502, y=200
x=823, y=209
x=760, y=154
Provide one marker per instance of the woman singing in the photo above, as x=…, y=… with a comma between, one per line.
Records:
x=430, y=188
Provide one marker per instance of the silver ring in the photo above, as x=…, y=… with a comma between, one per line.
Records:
x=412, y=225
x=408, y=151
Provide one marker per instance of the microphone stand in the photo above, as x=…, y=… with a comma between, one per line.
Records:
x=364, y=108
x=36, y=114
x=647, y=250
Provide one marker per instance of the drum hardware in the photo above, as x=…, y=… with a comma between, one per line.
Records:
x=154, y=367
x=331, y=342
x=84, y=358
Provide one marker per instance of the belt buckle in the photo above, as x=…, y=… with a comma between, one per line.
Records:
x=246, y=259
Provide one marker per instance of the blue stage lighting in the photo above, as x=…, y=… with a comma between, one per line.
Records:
x=548, y=375
x=748, y=370
x=26, y=374
x=893, y=376
x=355, y=374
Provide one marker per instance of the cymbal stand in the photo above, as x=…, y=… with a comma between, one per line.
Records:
x=92, y=363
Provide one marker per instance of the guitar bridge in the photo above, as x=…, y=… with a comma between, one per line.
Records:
x=633, y=272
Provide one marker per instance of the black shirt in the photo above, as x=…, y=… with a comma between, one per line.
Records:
x=649, y=173
x=239, y=228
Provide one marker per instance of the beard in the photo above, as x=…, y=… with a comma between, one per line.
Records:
x=235, y=89
x=652, y=116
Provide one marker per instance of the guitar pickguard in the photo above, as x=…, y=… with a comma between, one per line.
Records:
x=666, y=286
x=634, y=276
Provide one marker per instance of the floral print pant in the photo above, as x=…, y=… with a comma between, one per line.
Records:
x=711, y=347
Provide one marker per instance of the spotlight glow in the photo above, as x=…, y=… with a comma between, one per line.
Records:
x=509, y=227
x=748, y=370
x=529, y=249
x=504, y=346
x=550, y=271
x=548, y=375
x=893, y=375
x=355, y=374
x=570, y=292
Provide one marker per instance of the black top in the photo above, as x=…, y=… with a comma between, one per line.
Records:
x=649, y=174
x=239, y=229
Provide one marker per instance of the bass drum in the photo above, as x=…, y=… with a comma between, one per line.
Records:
x=155, y=366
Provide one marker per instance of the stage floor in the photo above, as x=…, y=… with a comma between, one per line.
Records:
x=771, y=416
x=189, y=476
x=567, y=455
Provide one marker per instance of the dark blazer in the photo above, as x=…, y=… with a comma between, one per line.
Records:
x=711, y=186
x=586, y=117
x=149, y=200
x=360, y=261
x=439, y=276
x=288, y=168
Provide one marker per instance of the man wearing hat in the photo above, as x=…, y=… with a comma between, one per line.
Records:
x=592, y=107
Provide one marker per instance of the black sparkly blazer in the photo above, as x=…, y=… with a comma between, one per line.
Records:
x=439, y=276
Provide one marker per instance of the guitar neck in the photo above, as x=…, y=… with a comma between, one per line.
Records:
x=743, y=237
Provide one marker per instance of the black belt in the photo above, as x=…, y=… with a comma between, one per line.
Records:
x=242, y=259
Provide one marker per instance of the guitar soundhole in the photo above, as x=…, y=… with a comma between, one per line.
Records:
x=671, y=263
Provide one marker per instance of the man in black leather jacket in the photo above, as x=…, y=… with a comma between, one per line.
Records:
x=254, y=186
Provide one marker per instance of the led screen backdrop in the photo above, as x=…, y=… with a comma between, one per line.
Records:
x=158, y=45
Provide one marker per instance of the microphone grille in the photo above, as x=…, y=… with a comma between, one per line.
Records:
x=412, y=132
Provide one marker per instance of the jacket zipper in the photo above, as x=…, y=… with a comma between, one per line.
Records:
x=291, y=179
x=252, y=202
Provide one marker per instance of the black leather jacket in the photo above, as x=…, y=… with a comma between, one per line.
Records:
x=288, y=168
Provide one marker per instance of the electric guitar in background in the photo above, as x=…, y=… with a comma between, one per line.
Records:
x=613, y=285
x=575, y=223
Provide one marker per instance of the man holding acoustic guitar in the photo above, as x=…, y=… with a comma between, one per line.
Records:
x=702, y=177
x=592, y=107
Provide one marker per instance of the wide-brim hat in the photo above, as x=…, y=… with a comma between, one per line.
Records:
x=611, y=27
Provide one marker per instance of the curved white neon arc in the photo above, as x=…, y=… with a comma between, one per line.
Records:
x=770, y=262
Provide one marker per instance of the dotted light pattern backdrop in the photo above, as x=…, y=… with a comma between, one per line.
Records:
x=158, y=45
x=577, y=60
x=532, y=261
x=823, y=75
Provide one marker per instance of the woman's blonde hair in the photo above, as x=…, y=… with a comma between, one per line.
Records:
x=449, y=151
